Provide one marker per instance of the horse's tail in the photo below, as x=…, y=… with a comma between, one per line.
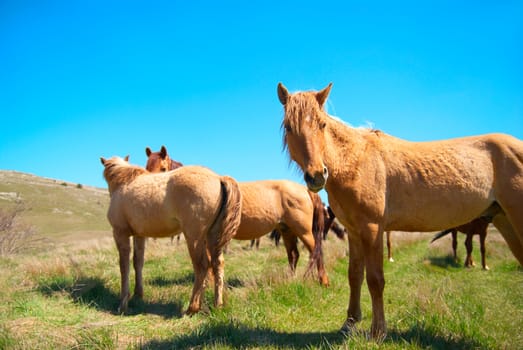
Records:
x=227, y=221
x=441, y=234
x=331, y=224
x=318, y=226
x=338, y=230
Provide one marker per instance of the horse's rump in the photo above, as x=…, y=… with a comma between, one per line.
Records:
x=163, y=204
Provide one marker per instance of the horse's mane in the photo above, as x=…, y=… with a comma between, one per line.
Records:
x=117, y=172
x=296, y=103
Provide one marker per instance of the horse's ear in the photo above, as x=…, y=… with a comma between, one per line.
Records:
x=103, y=160
x=283, y=94
x=321, y=96
x=163, y=152
x=126, y=158
x=148, y=151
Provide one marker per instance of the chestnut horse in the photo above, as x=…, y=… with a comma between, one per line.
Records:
x=195, y=200
x=287, y=207
x=376, y=182
x=160, y=160
x=475, y=227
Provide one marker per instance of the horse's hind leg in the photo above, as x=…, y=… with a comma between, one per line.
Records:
x=309, y=242
x=123, y=245
x=215, y=255
x=217, y=263
x=468, y=244
x=291, y=246
x=482, y=237
x=389, y=247
x=200, y=262
x=505, y=227
x=138, y=259
x=454, y=233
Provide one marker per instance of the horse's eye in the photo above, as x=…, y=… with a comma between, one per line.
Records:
x=288, y=128
x=322, y=125
x=163, y=169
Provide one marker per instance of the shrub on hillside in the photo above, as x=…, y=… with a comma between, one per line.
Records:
x=15, y=235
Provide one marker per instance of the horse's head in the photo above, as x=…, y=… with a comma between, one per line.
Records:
x=118, y=170
x=303, y=127
x=157, y=161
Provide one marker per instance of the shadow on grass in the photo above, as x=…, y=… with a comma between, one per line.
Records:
x=93, y=293
x=243, y=337
x=424, y=338
x=444, y=261
x=161, y=281
x=188, y=280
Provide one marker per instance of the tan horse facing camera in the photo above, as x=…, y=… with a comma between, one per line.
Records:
x=194, y=200
x=376, y=182
x=280, y=205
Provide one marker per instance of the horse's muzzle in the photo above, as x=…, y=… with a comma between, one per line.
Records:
x=317, y=182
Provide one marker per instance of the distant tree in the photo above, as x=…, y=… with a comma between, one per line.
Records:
x=16, y=236
x=80, y=186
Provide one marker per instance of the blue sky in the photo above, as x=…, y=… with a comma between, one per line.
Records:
x=80, y=80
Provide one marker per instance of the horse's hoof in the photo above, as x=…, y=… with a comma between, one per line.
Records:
x=191, y=312
x=122, y=310
x=324, y=281
x=378, y=335
x=486, y=268
x=348, y=327
x=391, y=260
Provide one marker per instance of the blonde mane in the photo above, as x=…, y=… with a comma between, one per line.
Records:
x=118, y=172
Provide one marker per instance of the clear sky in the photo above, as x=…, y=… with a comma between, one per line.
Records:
x=84, y=79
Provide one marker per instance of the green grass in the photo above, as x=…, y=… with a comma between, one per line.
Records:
x=65, y=294
x=67, y=298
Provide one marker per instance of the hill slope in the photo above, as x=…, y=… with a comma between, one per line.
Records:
x=58, y=210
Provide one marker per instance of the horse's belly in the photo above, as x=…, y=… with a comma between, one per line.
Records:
x=251, y=228
x=153, y=222
x=436, y=213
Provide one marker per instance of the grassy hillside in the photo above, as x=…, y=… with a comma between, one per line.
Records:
x=58, y=210
x=65, y=295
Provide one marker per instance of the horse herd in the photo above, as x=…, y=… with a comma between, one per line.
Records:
x=375, y=183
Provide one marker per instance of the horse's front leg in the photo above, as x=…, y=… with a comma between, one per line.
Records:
x=355, y=276
x=138, y=259
x=123, y=245
x=373, y=250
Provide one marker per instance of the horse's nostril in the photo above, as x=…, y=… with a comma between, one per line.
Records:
x=308, y=178
x=325, y=171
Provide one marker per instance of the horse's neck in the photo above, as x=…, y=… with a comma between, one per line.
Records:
x=343, y=146
x=119, y=178
x=174, y=164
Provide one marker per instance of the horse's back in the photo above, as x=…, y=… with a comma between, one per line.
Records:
x=163, y=204
x=445, y=183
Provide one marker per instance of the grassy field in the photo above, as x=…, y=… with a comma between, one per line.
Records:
x=64, y=295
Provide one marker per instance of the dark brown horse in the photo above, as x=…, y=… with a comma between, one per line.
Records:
x=475, y=227
x=160, y=160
